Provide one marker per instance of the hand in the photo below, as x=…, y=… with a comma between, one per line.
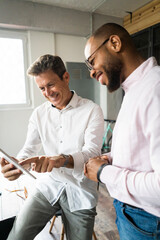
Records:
x=9, y=170
x=44, y=163
x=92, y=166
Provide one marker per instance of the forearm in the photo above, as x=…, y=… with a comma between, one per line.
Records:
x=143, y=186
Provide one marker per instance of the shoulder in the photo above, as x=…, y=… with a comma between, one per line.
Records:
x=89, y=108
x=87, y=102
x=42, y=109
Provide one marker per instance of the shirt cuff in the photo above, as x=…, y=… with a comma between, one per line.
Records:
x=78, y=170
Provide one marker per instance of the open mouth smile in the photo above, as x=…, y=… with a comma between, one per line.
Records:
x=98, y=75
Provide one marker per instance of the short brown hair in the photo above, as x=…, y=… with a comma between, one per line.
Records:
x=47, y=62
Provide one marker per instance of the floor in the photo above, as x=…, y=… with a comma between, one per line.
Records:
x=105, y=227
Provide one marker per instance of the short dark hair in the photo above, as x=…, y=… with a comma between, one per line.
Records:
x=45, y=63
x=109, y=29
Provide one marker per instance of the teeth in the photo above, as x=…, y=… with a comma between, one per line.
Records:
x=54, y=96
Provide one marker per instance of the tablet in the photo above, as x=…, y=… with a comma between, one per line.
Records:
x=11, y=160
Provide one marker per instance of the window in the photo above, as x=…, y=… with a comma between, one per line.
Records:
x=13, y=79
x=147, y=42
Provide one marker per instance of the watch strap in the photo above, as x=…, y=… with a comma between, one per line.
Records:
x=66, y=159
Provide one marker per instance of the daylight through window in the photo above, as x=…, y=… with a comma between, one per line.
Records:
x=13, y=73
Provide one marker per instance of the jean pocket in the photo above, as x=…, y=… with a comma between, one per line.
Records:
x=138, y=222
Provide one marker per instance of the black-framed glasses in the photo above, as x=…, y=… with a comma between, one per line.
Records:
x=87, y=62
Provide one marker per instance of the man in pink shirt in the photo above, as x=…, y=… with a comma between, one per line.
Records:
x=131, y=171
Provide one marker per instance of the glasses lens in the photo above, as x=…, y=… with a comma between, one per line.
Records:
x=90, y=67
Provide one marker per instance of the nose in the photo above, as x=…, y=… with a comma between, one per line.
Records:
x=92, y=73
x=47, y=92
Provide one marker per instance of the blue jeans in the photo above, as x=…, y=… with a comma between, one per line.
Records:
x=136, y=224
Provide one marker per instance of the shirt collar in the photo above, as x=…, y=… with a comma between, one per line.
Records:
x=138, y=73
x=74, y=100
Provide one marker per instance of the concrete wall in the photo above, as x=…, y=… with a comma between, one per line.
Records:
x=34, y=16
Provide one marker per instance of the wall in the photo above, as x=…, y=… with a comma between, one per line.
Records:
x=47, y=18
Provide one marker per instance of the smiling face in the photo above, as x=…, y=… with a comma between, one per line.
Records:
x=53, y=88
x=107, y=67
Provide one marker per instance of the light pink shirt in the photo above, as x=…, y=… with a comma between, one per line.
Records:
x=134, y=176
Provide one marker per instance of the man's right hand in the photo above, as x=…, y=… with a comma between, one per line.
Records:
x=9, y=171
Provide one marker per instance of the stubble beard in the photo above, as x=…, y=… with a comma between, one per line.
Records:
x=114, y=76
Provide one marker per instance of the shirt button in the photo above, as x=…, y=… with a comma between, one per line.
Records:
x=61, y=141
x=60, y=126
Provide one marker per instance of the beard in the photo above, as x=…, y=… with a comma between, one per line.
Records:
x=114, y=76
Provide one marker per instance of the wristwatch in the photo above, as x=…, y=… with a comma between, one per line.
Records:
x=66, y=159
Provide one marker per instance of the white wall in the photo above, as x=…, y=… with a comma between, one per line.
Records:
x=70, y=48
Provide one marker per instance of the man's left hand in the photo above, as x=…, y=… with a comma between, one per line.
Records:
x=92, y=166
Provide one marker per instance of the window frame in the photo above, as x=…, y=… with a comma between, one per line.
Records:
x=23, y=36
x=151, y=40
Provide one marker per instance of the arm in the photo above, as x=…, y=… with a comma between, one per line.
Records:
x=47, y=163
x=92, y=142
x=141, y=186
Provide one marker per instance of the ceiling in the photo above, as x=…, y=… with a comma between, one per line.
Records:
x=116, y=8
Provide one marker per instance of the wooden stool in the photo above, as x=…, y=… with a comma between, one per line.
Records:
x=59, y=213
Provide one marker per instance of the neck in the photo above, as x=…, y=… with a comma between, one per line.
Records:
x=68, y=99
x=131, y=63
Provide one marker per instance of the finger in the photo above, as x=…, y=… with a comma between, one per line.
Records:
x=39, y=164
x=86, y=174
x=33, y=166
x=12, y=174
x=85, y=168
x=46, y=166
x=12, y=178
x=3, y=162
x=37, y=167
x=49, y=168
x=7, y=167
x=29, y=160
x=51, y=165
x=105, y=157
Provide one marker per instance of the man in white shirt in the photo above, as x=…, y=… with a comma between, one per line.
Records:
x=70, y=129
x=131, y=171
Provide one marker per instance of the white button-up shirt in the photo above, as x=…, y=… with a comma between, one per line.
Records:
x=77, y=130
x=134, y=176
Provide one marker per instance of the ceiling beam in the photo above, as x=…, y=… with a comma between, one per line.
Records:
x=142, y=18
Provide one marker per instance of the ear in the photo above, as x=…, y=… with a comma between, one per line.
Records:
x=66, y=77
x=116, y=43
